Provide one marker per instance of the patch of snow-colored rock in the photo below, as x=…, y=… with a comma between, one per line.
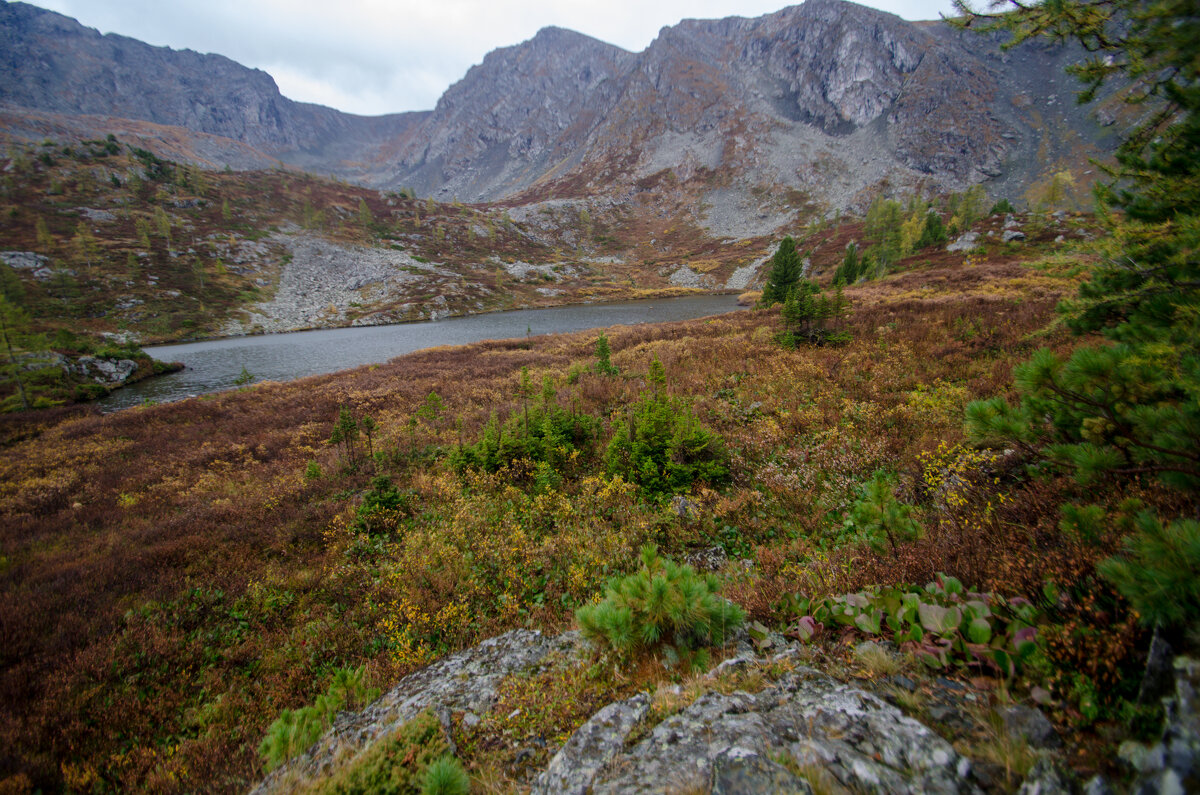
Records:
x=964, y=242
x=742, y=277
x=323, y=279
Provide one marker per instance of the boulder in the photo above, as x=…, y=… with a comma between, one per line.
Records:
x=744, y=742
x=465, y=681
x=1029, y=723
x=964, y=242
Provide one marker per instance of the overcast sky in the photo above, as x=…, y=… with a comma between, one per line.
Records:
x=381, y=56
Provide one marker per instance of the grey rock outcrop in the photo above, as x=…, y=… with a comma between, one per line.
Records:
x=1173, y=764
x=592, y=746
x=964, y=242
x=109, y=372
x=805, y=717
x=464, y=681
x=37, y=264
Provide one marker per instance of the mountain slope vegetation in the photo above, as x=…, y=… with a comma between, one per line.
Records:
x=176, y=575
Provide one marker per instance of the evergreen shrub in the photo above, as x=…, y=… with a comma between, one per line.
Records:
x=663, y=606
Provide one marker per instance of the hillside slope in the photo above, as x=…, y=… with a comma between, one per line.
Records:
x=175, y=576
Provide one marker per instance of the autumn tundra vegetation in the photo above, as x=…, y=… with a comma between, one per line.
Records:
x=985, y=458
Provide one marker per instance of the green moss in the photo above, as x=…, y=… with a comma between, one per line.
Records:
x=398, y=765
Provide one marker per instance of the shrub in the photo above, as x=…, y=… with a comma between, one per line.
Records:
x=880, y=519
x=664, y=605
x=663, y=448
x=382, y=506
x=546, y=434
x=942, y=624
x=1002, y=207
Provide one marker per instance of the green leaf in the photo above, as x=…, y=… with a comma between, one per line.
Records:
x=979, y=630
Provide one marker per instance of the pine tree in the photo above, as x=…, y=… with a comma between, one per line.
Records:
x=849, y=271
x=882, y=520
x=786, y=270
x=604, y=365
x=934, y=232
x=18, y=347
x=1131, y=407
x=663, y=605
x=808, y=314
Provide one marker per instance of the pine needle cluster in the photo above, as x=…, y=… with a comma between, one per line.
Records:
x=295, y=730
x=664, y=606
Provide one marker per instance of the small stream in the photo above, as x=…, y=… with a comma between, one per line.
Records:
x=216, y=364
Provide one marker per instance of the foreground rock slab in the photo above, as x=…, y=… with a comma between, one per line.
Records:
x=464, y=681
x=760, y=742
x=799, y=731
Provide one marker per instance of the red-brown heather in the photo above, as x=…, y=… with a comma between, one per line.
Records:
x=172, y=578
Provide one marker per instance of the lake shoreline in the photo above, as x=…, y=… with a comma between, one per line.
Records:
x=214, y=365
x=664, y=293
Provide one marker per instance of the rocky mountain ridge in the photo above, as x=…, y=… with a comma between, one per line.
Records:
x=722, y=121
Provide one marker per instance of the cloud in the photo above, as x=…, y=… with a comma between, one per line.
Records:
x=381, y=56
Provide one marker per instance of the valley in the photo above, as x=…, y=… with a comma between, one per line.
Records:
x=921, y=517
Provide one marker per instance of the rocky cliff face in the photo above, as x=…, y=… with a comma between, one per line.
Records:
x=828, y=99
x=516, y=115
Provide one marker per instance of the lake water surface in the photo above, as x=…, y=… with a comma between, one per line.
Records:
x=216, y=364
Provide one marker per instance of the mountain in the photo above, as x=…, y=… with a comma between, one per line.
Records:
x=53, y=64
x=740, y=121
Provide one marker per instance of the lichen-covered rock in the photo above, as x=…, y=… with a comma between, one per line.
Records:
x=464, y=681
x=1046, y=778
x=37, y=264
x=965, y=242
x=109, y=372
x=593, y=745
x=720, y=740
x=738, y=770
